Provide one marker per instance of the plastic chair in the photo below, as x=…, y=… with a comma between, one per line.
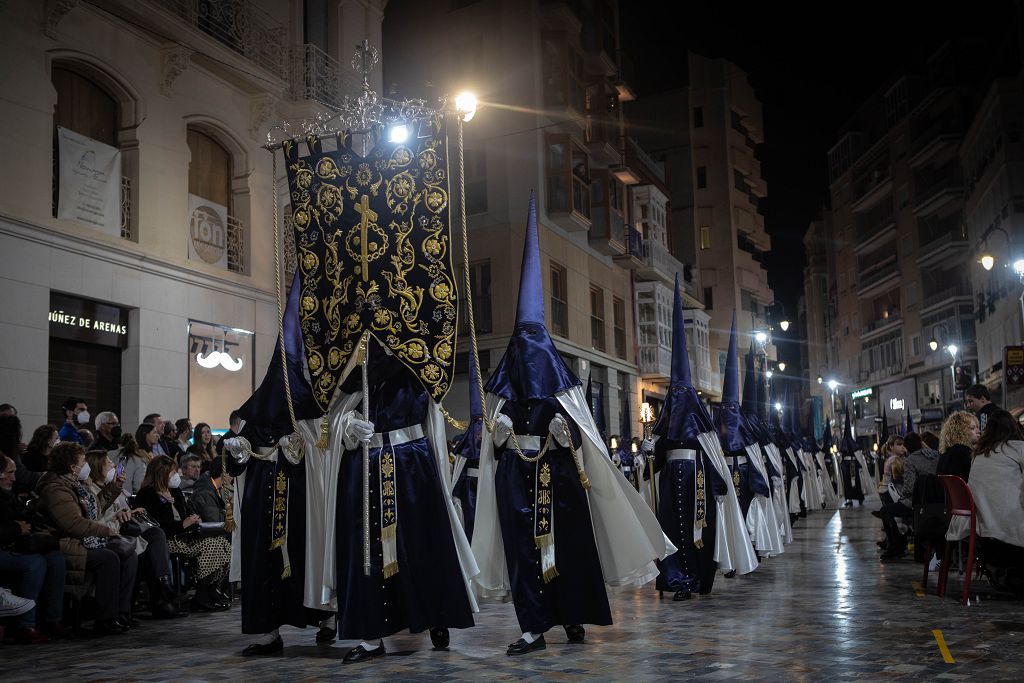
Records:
x=961, y=504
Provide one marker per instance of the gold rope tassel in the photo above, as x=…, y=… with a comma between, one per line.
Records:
x=550, y=574
x=578, y=459
x=325, y=434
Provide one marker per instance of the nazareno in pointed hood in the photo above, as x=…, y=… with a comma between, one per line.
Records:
x=531, y=368
x=683, y=417
x=267, y=408
x=750, y=405
x=848, y=443
x=733, y=432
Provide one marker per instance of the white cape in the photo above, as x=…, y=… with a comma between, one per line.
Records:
x=813, y=495
x=762, y=524
x=828, y=491
x=733, y=550
x=868, y=484
x=794, y=483
x=779, y=494
x=628, y=536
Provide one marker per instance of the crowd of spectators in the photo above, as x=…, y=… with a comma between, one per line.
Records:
x=110, y=522
x=983, y=446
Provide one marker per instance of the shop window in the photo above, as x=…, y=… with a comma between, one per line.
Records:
x=619, y=322
x=217, y=232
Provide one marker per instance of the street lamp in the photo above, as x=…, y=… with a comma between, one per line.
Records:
x=832, y=386
x=782, y=366
x=819, y=379
x=465, y=105
x=933, y=344
x=760, y=337
x=784, y=324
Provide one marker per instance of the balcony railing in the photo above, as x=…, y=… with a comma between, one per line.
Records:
x=893, y=317
x=634, y=242
x=236, y=244
x=656, y=361
x=314, y=75
x=126, y=208
x=875, y=221
x=878, y=274
x=945, y=294
x=657, y=258
x=928, y=184
x=240, y=26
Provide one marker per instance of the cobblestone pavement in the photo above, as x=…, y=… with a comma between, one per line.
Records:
x=826, y=609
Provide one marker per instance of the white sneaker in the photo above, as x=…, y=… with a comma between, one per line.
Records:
x=934, y=564
x=11, y=605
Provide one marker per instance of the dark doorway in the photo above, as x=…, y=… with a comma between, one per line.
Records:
x=87, y=371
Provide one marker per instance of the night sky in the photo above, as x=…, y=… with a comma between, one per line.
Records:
x=811, y=71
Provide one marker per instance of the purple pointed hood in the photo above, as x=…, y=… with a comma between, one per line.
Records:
x=733, y=432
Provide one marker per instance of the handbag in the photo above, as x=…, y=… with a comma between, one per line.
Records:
x=139, y=524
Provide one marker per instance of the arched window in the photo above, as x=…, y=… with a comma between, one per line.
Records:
x=87, y=106
x=211, y=176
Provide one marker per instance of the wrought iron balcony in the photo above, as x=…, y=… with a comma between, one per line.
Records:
x=238, y=25
x=236, y=245
x=657, y=263
x=314, y=75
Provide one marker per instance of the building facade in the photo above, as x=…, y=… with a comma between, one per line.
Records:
x=164, y=302
x=550, y=81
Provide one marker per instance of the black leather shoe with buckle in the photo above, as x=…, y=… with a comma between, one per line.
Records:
x=521, y=647
x=274, y=647
x=575, y=633
x=326, y=635
x=440, y=638
x=361, y=654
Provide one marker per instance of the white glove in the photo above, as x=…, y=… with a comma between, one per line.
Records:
x=616, y=460
x=291, y=454
x=502, y=429
x=647, y=446
x=559, y=429
x=356, y=430
x=236, y=449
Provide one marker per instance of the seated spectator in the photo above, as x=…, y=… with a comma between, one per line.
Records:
x=188, y=465
x=157, y=422
x=86, y=438
x=152, y=544
x=76, y=414
x=88, y=544
x=203, y=445
x=930, y=440
x=893, y=450
x=108, y=432
x=36, y=560
x=8, y=409
x=169, y=439
x=137, y=453
x=207, y=499
x=36, y=456
x=959, y=435
x=12, y=447
x=184, y=429
x=163, y=500
x=920, y=460
x=997, y=484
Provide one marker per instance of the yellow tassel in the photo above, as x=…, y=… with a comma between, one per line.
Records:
x=543, y=541
x=699, y=543
x=325, y=435
x=584, y=480
x=550, y=574
x=390, y=570
x=278, y=543
x=287, y=572
x=389, y=531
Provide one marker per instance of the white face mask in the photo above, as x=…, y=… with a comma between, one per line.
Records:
x=110, y=475
x=83, y=417
x=175, y=481
x=83, y=473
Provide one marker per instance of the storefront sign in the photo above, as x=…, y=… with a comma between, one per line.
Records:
x=207, y=231
x=89, y=181
x=897, y=404
x=88, y=321
x=861, y=393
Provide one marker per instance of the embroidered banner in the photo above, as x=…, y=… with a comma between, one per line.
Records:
x=373, y=240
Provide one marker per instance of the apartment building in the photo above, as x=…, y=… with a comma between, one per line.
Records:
x=122, y=293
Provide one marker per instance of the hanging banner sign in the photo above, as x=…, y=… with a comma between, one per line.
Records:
x=88, y=321
x=897, y=404
x=207, y=231
x=89, y=182
x=861, y=393
x=1014, y=365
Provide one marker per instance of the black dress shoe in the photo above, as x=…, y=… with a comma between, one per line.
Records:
x=440, y=638
x=359, y=654
x=882, y=544
x=326, y=635
x=165, y=610
x=128, y=621
x=575, y=633
x=876, y=513
x=521, y=647
x=730, y=575
x=682, y=595
x=274, y=647
x=108, y=627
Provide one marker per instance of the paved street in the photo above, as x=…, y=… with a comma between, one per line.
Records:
x=826, y=609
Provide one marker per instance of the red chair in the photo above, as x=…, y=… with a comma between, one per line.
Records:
x=961, y=504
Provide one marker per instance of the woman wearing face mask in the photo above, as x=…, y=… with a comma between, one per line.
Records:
x=88, y=544
x=152, y=543
x=137, y=452
x=166, y=504
x=37, y=452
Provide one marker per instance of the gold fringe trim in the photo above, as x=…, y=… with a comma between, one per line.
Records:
x=287, y=572
x=699, y=543
x=279, y=542
x=550, y=574
x=390, y=570
x=325, y=434
x=544, y=541
x=389, y=531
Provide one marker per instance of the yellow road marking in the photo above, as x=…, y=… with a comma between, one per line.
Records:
x=918, y=589
x=946, y=656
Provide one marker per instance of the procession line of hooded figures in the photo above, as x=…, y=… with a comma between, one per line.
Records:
x=534, y=510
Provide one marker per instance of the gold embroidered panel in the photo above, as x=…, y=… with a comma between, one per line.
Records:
x=373, y=246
